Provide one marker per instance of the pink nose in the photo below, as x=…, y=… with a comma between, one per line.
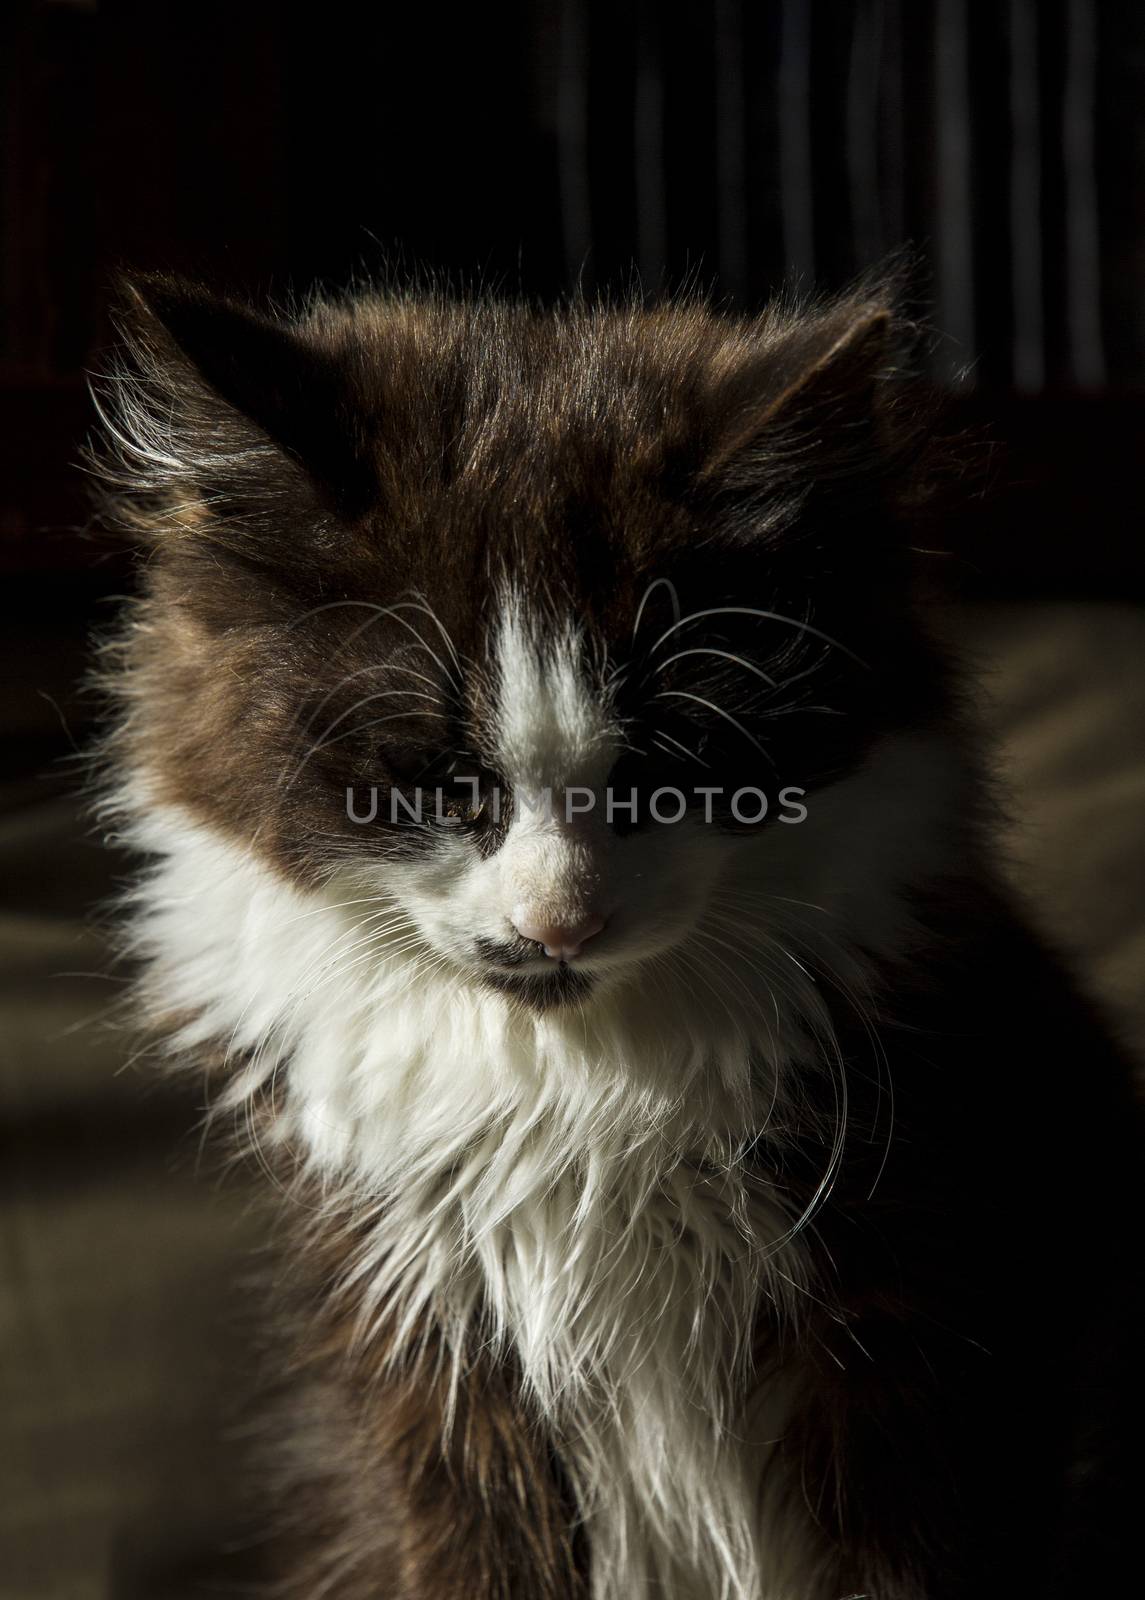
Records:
x=561, y=941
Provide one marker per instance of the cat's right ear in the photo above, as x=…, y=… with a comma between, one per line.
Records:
x=225, y=412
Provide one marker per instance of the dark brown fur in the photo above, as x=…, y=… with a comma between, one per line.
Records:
x=969, y=1374
x=379, y=1494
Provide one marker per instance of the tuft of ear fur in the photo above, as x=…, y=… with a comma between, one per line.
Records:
x=217, y=416
x=830, y=376
x=822, y=405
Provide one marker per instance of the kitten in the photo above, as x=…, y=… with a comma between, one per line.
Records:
x=564, y=843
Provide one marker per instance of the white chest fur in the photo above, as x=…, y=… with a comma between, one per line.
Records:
x=571, y=1179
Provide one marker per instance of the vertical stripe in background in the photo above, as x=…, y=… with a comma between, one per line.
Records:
x=863, y=132
x=892, y=113
x=731, y=188
x=572, y=141
x=648, y=121
x=1083, y=247
x=795, y=165
x=954, y=221
x=1029, y=365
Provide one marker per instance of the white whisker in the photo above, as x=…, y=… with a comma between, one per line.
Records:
x=684, y=694
x=752, y=611
x=657, y=583
x=724, y=655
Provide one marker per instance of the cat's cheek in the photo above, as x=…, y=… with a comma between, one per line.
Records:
x=443, y=893
x=664, y=878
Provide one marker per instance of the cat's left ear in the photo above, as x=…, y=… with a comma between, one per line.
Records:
x=815, y=405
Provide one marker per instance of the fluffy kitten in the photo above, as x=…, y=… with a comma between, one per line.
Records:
x=694, y=1203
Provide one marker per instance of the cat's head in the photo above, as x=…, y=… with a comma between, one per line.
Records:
x=528, y=625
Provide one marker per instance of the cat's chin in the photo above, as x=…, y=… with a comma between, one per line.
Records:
x=562, y=985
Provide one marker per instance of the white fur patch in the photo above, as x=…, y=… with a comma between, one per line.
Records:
x=556, y=746
x=572, y=1179
x=553, y=728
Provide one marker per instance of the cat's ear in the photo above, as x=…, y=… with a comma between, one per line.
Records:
x=231, y=406
x=814, y=405
x=811, y=377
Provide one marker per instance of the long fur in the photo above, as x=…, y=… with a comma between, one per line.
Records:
x=610, y=1231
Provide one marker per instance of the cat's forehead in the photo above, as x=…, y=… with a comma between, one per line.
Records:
x=533, y=406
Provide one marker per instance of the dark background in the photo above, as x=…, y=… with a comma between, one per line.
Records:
x=737, y=144
x=732, y=144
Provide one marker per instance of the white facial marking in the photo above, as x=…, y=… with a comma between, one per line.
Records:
x=554, y=726
x=560, y=868
x=556, y=744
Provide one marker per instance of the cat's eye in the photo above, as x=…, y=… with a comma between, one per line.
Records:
x=466, y=795
x=460, y=802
